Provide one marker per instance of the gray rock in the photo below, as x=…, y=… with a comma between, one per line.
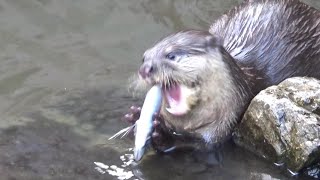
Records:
x=282, y=124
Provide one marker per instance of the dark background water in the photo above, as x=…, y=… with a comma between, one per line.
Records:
x=64, y=68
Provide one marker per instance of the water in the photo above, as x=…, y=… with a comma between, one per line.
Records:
x=64, y=68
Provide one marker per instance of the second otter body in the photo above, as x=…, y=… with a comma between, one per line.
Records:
x=208, y=78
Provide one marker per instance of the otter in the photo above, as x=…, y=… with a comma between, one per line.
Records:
x=208, y=78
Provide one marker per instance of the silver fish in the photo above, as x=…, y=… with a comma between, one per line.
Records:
x=143, y=126
x=143, y=129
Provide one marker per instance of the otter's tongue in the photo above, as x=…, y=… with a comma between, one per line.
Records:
x=176, y=100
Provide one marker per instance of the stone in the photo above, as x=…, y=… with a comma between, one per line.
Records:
x=261, y=176
x=282, y=124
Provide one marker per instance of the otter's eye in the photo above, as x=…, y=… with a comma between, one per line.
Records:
x=176, y=56
x=171, y=56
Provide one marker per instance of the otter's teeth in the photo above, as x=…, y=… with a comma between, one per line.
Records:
x=177, y=112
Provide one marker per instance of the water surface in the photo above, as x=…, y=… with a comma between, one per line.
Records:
x=64, y=68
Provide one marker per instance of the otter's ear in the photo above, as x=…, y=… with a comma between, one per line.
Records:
x=213, y=42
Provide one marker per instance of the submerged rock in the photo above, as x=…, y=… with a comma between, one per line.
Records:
x=261, y=176
x=282, y=124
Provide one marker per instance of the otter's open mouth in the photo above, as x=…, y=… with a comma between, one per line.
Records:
x=177, y=98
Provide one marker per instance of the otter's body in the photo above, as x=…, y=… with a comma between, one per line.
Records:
x=277, y=38
x=210, y=77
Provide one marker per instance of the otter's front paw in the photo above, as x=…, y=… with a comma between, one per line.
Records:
x=133, y=115
x=162, y=140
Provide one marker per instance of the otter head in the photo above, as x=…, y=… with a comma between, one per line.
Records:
x=198, y=87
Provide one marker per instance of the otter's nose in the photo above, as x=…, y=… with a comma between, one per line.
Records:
x=145, y=70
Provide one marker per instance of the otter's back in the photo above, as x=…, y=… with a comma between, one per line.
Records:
x=280, y=38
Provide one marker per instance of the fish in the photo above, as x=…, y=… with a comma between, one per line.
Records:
x=144, y=125
x=151, y=105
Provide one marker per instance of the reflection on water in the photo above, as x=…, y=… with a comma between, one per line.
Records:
x=64, y=69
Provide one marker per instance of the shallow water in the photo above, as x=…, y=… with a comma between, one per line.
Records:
x=64, y=68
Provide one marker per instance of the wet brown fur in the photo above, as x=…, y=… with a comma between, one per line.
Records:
x=255, y=45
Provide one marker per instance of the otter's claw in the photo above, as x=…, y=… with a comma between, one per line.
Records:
x=133, y=115
x=161, y=139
